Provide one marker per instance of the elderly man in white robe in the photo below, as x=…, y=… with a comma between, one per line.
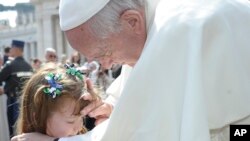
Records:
x=198, y=51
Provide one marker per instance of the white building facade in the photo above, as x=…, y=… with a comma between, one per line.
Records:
x=39, y=30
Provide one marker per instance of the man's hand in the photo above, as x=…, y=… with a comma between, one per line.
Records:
x=32, y=137
x=97, y=108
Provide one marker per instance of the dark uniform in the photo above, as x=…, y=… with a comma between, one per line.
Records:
x=14, y=74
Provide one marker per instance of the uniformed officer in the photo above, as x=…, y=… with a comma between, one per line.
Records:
x=13, y=75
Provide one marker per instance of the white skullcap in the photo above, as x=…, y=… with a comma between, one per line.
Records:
x=73, y=13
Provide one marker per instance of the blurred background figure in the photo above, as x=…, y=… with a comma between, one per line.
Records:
x=64, y=59
x=13, y=74
x=76, y=59
x=1, y=61
x=6, y=54
x=36, y=64
x=101, y=78
x=92, y=71
x=104, y=79
x=50, y=55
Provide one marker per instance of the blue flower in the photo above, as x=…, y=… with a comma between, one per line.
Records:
x=54, y=89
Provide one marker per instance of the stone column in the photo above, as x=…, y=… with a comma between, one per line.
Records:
x=48, y=32
x=31, y=18
x=26, y=52
x=32, y=50
x=59, y=38
x=40, y=29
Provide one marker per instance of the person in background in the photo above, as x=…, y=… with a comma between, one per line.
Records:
x=1, y=61
x=64, y=59
x=14, y=74
x=36, y=64
x=104, y=78
x=6, y=54
x=91, y=70
x=76, y=58
x=50, y=55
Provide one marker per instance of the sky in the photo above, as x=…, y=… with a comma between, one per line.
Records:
x=11, y=15
x=11, y=2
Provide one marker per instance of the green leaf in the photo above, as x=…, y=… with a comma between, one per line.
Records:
x=46, y=90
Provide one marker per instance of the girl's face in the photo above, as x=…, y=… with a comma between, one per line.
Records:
x=63, y=123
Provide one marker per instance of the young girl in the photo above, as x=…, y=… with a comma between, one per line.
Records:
x=51, y=102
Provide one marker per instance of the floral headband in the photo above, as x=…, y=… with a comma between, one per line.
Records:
x=55, y=89
x=73, y=71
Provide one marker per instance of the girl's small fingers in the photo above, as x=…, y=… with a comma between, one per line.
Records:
x=90, y=87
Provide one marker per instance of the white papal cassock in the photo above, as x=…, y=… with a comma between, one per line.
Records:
x=192, y=77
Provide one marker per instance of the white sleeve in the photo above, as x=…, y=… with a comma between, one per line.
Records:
x=115, y=89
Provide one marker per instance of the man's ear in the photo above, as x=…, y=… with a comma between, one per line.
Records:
x=134, y=20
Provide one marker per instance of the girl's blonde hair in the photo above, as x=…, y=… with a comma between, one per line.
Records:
x=36, y=106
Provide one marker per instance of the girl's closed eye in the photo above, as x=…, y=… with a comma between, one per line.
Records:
x=71, y=121
x=74, y=119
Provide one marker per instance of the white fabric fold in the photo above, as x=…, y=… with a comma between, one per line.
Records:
x=116, y=88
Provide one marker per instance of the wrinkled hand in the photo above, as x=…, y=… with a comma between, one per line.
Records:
x=32, y=137
x=97, y=108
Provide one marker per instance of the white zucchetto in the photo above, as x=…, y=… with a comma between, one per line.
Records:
x=73, y=13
